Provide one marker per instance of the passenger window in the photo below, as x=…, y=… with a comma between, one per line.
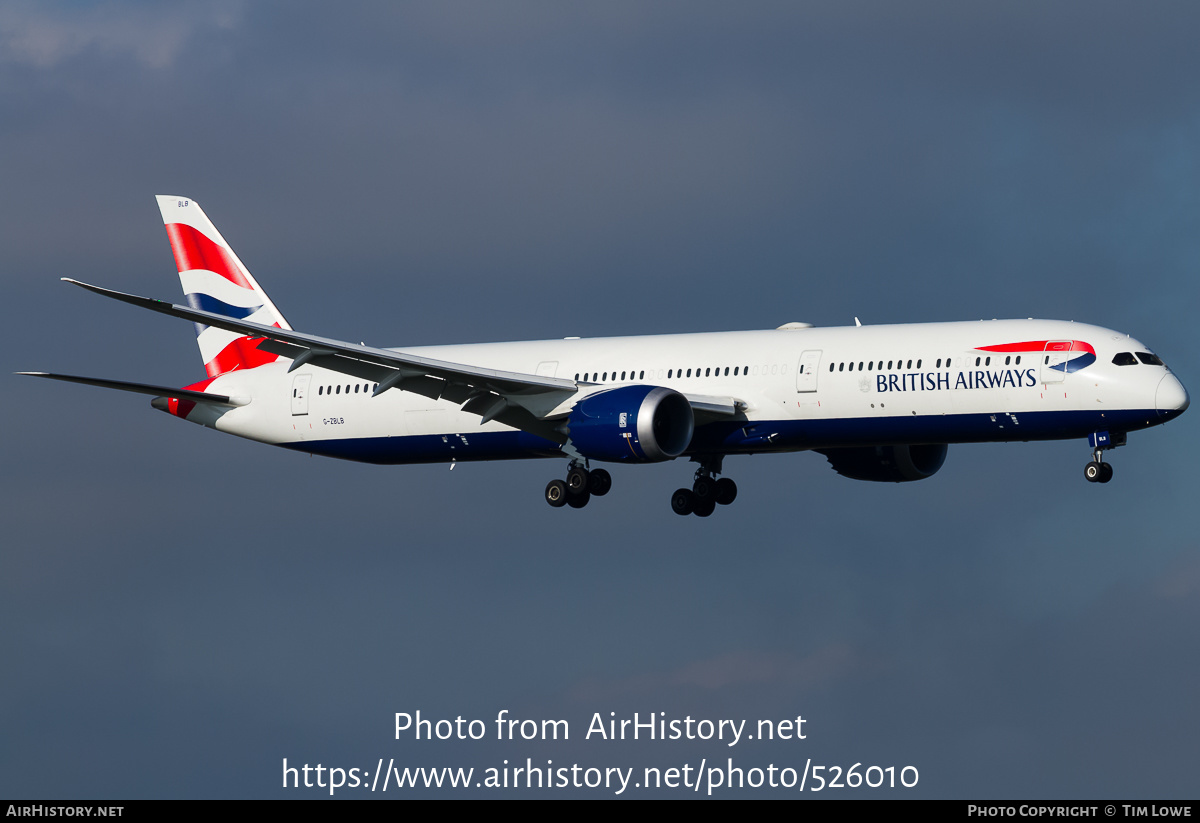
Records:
x=831, y=367
x=642, y=375
x=339, y=390
x=1018, y=359
x=1149, y=359
x=320, y=390
x=978, y=359
x=918, y=364
x=939, y=363
x=726, y=371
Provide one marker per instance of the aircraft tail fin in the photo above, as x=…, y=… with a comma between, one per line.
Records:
x=214, y=279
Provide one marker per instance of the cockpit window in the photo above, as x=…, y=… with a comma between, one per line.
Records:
x=1149, y=359
x=1125, y=359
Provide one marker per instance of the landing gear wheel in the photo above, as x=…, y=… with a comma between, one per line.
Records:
x=577, y=480
x=1106, y=472
x=556, y=493
x=683, y=501
x=705, y=507
x=578, y=501
x=1094, y=471
x=704, y=487
x=726, y=491
x=599, y=482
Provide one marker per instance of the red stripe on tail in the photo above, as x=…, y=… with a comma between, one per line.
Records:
x=193, y=250
x=182, y=407
x=242, y=353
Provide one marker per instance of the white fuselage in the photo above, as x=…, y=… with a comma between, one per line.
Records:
x=797, y=389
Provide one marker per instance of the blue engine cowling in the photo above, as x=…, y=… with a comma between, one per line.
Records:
x=635, y=424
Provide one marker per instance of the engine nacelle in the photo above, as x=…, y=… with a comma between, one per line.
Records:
x=635, y=424
x=888, y=464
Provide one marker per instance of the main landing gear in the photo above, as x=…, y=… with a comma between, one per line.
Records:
x=706, y=492
x=702, y=499
x=578, y=488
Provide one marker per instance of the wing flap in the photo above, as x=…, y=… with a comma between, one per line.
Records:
x=717, y=406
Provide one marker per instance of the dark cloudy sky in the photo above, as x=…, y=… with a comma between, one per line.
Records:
x=182, y=610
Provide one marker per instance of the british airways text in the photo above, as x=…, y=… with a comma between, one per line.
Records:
x=936, y=381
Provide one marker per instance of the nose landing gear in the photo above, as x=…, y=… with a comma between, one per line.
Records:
x=1098, y=471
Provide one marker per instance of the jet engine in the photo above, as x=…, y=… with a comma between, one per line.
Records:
x=634, y=424
x=887, y=464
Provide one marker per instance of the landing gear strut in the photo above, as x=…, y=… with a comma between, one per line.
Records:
x=579, y=487
x=706, y=492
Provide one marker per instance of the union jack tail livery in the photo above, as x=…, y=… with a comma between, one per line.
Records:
x=215, y=280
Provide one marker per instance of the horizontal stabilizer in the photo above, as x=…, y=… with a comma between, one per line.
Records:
x=142, y=388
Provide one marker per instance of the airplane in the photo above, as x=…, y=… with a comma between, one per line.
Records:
x=880, y=403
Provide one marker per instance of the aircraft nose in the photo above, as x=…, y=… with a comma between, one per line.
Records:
x=1171, y=398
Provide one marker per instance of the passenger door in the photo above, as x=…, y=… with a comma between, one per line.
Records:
x=806, y=372
x=300, y=394
x=1056, y=353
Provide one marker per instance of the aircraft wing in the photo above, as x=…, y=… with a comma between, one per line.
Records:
x=715, y=406
x=492, y=394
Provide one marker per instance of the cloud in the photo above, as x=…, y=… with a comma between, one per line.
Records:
x=1182, y=581
x=154, y=35
x=731, y=670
